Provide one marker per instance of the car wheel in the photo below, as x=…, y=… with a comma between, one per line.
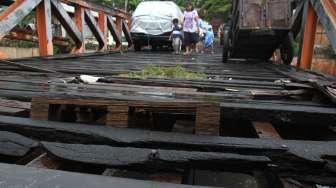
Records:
x=286, y=49
x=226, y=45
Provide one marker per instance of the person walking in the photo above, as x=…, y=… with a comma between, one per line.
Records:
x=176, y=36
x=190, y=28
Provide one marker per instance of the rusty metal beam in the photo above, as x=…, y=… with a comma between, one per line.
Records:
x=308, y=39
x=93, y=25
x=44, y=30
x=67, y=22
x=114, y=30
x=9, y=19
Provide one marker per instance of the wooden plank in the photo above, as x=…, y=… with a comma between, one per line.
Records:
x=15, y=145
x=140, y=158
x=36, y=178
x=305, y=160
x=25, y=67
x=66, y=21
x=45, y=162
x=9, y=21
x=266, y=130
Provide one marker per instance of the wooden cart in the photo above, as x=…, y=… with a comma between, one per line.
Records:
x=256, y=28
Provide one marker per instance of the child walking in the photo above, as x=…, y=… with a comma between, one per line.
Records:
x=176, y=37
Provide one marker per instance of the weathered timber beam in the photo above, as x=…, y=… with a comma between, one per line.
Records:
x=308, y=160
x=126, y=157
x=11, y=19
x=114, y=31
x=326, y=12
x=15, y=145
x=20, y=176
x=93, y=25
x=67, y=22
x=101, y=135
x=44, y=28
x=287, y=113
x=127, y=33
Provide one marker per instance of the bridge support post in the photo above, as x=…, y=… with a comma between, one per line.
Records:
x=79, y=20
x=44, y=30
x=103, y=27
x=308, y=39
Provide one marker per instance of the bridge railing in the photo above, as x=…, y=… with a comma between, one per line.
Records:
x=323, y=11
x=108, y=20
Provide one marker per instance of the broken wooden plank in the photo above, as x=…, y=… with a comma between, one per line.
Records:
x=96, y=135
x=19, y=176
x=121, y=157
x=266, y=130
x=45, y=162
x=15, y=145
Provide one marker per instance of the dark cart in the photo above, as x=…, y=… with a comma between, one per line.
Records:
x=257, y=28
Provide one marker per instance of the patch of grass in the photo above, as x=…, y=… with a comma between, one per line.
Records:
x=177, y=72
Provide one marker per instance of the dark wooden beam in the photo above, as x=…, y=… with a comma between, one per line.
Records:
x=15, y=145
x=127, y=33
x=114, y=31
x=93, y=25
x=141, y=158
x=67, y=22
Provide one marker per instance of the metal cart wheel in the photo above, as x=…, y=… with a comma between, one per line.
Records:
x=286, y=49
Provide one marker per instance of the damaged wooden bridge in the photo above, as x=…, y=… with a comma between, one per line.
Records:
x=83, y=120
x=250, y=124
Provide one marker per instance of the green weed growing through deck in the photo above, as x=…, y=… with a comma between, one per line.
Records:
x=177, y=72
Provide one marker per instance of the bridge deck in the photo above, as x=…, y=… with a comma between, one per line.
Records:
x=257, y=100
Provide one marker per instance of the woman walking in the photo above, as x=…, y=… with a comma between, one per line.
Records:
x=190, y=28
